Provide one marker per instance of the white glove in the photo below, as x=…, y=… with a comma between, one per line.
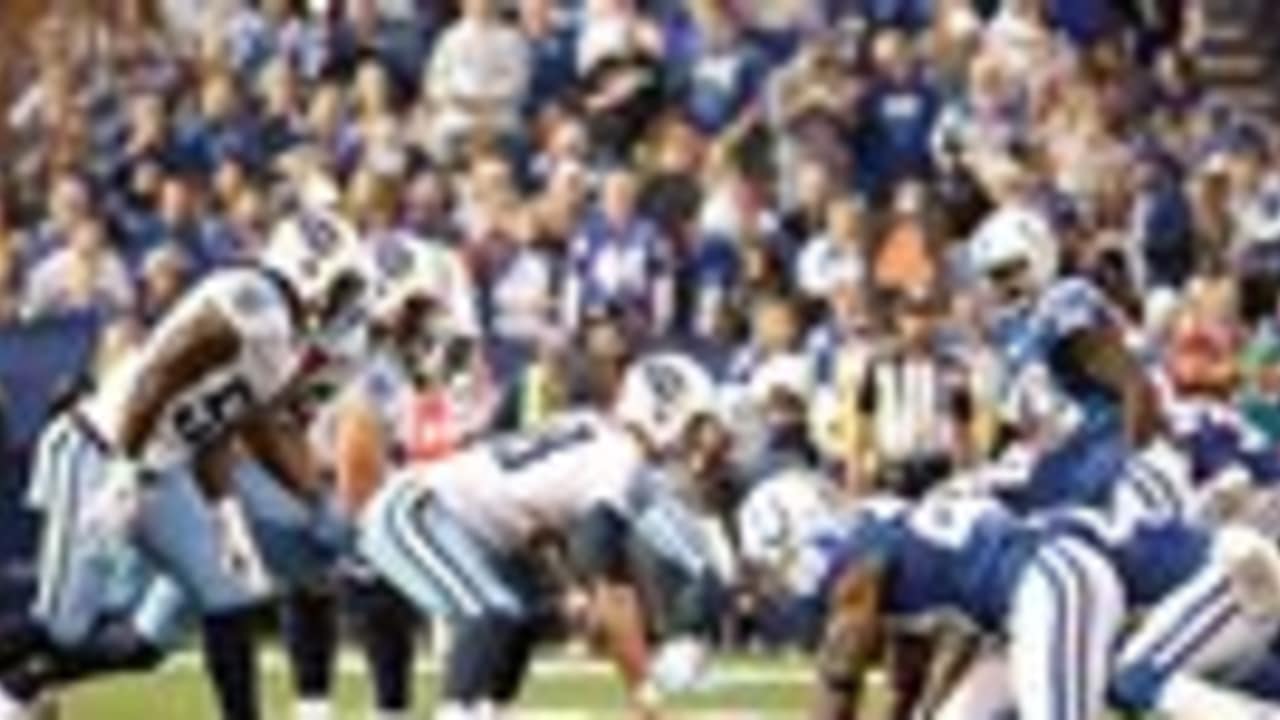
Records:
x=112, y=507
x=679, y=666
x=1227, y=496
x=1253, y=566
x=238, y=551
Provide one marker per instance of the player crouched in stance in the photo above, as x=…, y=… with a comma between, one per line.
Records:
x=1047, y=597
x=457, y=537
x=114, y=475
x=1053, y=598
x=418, y=330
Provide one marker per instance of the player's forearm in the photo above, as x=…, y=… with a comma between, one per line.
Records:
x=215, y=469
x=280, y=447
x=360, y=463
x=1141, y=413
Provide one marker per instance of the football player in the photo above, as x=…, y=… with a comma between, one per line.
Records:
x=1053, y=598
x=1205, y=606
x=420, y=327
x=458, y=536
x=114, y=473
x=1076, y=398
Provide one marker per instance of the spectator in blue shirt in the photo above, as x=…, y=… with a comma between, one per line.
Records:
x=219, y=126
x=1161, y=221
x=906, y=15
x=147, y=135
x=723, y=72
x=553, y=43
x=897, y=117
x=620, y=260
x=280, y=112
x=179, y=223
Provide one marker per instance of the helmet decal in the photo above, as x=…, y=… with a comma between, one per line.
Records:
x=320, y=236
x=393, y=259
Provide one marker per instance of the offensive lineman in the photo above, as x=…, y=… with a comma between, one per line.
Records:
x=457, y=536
x=1054, y=597
x=114, y=472
x=418, y=319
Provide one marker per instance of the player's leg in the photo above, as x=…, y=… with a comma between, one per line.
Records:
x=180, y=532
x=1065, y=615
x=310, y=626
x=386, y=624
x=73, y=567
x=983, y=692
x=444, y=568
x=280, y=534
x=74, y=562
x=524, y=637
x=1224, y=615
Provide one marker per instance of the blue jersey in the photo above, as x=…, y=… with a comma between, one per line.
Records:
x=1216, y=437
x=940, y=557
x=1039, y=336
x=1080, y=466
x=1152, y=557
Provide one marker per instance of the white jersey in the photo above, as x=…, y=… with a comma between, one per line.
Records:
x=382, y=384
x=514, y=487
x=271, y=354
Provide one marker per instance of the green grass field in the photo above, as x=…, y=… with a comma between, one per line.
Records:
x=561, y=689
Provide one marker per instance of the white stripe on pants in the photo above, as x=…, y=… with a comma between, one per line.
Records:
x=443, y=567
x=1202, y=627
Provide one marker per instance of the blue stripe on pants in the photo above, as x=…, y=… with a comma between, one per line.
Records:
x=1058, y=648
x=1080, y=581
x=1200, y=606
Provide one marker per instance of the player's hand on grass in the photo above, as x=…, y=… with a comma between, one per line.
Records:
x=679, y=666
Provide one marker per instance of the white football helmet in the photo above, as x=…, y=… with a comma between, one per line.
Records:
x=662, y=394
x=780, y=515
x=1015, y=238
x=320, y=255
x=406, y=270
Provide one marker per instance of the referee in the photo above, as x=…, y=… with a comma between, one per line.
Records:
x=915, y=410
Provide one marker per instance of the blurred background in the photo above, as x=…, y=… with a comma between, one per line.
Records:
x=779, y=186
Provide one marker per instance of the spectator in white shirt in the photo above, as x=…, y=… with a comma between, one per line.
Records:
x=477, y=78
x=837, y=254
x=84, y=274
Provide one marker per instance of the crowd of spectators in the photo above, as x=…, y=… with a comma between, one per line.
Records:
x=783, y=187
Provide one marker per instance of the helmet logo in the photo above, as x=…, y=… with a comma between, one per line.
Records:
x=393, y=259
x=320, y=236
x=666, y=382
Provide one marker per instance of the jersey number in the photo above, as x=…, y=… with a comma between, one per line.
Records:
x=516, y=452
x=204, y=417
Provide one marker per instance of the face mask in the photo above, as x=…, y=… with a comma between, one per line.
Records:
x=346, y=338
